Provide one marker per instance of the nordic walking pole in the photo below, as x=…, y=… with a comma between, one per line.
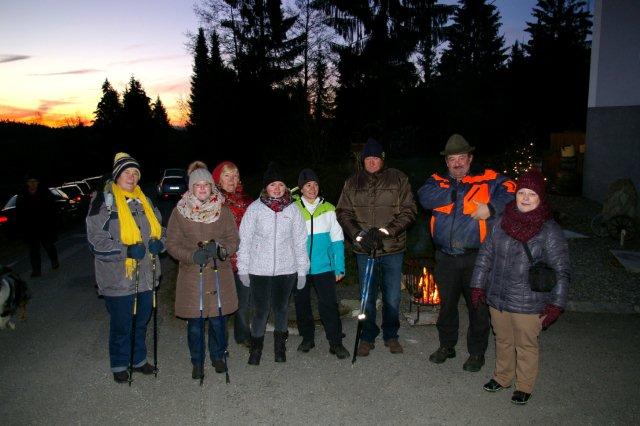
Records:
x=223, y=337
x=155, y=318
x=134, y=316
x=364, y=297
x=201, y=285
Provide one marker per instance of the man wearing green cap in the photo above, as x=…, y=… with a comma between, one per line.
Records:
x=464, y=202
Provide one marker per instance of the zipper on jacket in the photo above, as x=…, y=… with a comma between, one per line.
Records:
x=453, y=218
x=275, y=240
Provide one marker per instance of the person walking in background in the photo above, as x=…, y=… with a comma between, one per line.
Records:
x=464, y=203
x=325, y=245
x=227, y=178
x=124, y=233
x=375, y=209
x=271, y=259
x=501, y=280
x=200, y=229
x=36, y=219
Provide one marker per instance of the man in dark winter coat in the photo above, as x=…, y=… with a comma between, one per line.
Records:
x=464, y=203
x=36, y=220
x=375, y=209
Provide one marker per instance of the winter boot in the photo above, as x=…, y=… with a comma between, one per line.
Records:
x=279, y=345
x=255, y=351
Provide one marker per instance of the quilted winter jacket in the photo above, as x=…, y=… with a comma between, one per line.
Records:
x=452, y=203
x=272, y=243
x=378, y=200
x=103, y=233
x=502, y=269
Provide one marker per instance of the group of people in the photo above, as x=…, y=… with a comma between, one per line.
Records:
x=246, y=257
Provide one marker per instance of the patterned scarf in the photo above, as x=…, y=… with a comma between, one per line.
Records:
x=524, y=226
x=129, y=231
x=207, y=211
x=276, y=204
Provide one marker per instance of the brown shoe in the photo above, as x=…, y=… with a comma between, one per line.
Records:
x=394, y=346
x=364, y=348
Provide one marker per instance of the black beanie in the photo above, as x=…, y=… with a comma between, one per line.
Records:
x=307, y=175
x=372, y=149
x=272, y=175
x=123, y=161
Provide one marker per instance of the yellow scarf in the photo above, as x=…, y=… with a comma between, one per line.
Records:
x=129, y=231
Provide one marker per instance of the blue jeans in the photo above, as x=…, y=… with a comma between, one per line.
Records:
x=387, y=274
x=217, y=329
x=120, y=311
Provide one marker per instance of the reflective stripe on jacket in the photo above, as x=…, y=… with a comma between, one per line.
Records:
x=453, y=202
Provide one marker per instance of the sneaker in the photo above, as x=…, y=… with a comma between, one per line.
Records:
x=339, y=350
x=493, y=386
x=219, y=366
x=364, y=348
x=474, y=363
x=394, y=346
x=520, y=398
x=441, y=355
x=197, y=372
x=306, y=345
x=145, y=369
x=121, y=377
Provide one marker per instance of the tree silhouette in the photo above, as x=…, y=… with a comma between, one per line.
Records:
x=200, y=86
x=109, y=110
x=136, y=109
x=159, y=116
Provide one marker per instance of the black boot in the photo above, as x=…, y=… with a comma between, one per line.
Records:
x=255, y=351
x=279, y=345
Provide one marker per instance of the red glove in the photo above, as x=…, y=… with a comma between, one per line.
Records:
x=550, y=314
x=477, y=296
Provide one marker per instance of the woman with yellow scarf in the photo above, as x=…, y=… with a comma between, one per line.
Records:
x=125, y=234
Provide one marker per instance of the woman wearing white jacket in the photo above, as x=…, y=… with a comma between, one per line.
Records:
x=272, y=257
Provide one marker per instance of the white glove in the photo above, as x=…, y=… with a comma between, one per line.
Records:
x=302, y=280
x=244, y=279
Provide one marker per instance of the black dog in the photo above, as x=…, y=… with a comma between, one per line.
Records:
x=14, y=296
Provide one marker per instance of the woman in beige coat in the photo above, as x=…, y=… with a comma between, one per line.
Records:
x=202, y=233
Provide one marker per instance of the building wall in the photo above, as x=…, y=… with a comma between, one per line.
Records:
x=613, y=118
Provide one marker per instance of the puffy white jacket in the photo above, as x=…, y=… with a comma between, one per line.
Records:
x=272, y=243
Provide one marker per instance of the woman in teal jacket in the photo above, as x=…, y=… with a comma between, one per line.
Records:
x=325, y=246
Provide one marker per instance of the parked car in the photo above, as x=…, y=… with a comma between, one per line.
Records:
x=75, y=193
x=95, y=182
x=83, y=185
x=172, y=187
x=66, y=208
x=174, y=172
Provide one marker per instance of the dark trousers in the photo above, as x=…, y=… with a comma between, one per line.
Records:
x=241, y=330
x=195, y=336
x=34, y=252
x=325, y=287
x=120, y=312
x=453, y=275
x=268, y=292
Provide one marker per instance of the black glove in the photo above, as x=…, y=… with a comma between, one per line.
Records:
x=155, y=246
x=201, y=257
x=216, y=250
x=372, y=240
x=136, y=251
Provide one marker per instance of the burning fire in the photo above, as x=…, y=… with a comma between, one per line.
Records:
x=427, y=292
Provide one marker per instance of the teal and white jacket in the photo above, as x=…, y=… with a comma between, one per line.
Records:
x=325, y=240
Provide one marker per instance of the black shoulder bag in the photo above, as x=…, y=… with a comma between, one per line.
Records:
x=542, y=278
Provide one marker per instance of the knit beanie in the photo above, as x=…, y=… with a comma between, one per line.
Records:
x=307, y=175
x=198, y=172
x=272, y=175
x=219, y=168
x=372, y=149
x=533, y=180
x=123, y=161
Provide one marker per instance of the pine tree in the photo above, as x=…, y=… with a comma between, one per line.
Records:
x=159, y=116
x=136, y=108
x=200, y=85
x=322, y=105
x=109, y=111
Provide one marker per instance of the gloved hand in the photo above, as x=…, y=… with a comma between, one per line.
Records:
x=244, y=279
x=201, y=257
x=216, y=250
x=136, y=251
x=372, y=240
x=478, y=296
x=551, y=313
x=155, y=246
x=302, y=280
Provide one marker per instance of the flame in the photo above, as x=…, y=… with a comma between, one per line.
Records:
x=427, y=289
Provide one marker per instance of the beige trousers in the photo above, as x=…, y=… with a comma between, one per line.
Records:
x=516, y=348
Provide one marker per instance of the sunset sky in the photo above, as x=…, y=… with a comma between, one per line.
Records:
x=55, y=54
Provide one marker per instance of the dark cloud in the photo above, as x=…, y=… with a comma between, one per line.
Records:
x=47, y=104
x=70, y=72
x=12, y=58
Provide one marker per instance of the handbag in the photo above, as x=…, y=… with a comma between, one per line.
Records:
x=542, y=278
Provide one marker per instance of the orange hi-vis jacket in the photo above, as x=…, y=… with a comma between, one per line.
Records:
x=452, y=203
